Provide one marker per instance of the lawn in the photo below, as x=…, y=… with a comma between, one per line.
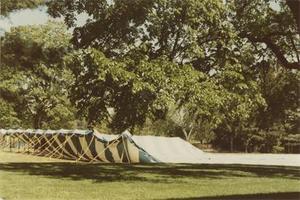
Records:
x=28, y=177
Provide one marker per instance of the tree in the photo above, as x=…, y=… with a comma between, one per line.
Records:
x=32, y=79
x=295, y=8
x=8, y=6
x=242, y=101
x=183, y=31
x=126, y=93
x=280, y=90
x=197, y=113
x=8, y=116
x=198, y=32
x=229, y=41
x=276, y=29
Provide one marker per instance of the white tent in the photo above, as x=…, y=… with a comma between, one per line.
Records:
x=164, y=149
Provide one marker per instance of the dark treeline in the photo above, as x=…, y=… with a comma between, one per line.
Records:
x=218, y=72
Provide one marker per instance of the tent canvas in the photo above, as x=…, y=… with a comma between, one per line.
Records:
x=169, y=149
x=91, y=146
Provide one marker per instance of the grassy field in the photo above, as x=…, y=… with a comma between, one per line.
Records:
x=27, y=177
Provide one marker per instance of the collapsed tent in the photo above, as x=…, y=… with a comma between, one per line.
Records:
x=90, y=146
x=170, y=149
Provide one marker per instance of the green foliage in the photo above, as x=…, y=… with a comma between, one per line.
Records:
x=242, y=95
x=34, y=47
x=125, y=93
x=8, y=6
x=281, y=91
x=8, y=116
x=274, y=31
x=199, y=107
x=33, y=79
x=199, y=32
x=242, y=102
x=183, y=31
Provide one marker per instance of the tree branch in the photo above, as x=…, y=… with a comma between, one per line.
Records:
x=275, y=49
x=294, y=5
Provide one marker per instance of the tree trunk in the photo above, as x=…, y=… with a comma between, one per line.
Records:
x=132, y=129
x=37, y=121
x=231, y=143
x=247, y=145
x=187, y=134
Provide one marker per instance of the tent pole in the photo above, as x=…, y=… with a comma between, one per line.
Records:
x=47, y=144
x=126, y=150
x=9, y=143
x=60, y=146
x=106, y=148
x=87, y=148
x=18, y=144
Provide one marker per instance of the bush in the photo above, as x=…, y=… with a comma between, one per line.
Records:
x=278, y=149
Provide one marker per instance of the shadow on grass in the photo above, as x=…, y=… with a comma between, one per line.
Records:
x=267, y=196
x=150, y=172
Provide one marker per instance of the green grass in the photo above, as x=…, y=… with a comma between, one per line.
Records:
x=28, y=177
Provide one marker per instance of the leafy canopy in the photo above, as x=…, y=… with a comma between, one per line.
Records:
x=33, y=81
